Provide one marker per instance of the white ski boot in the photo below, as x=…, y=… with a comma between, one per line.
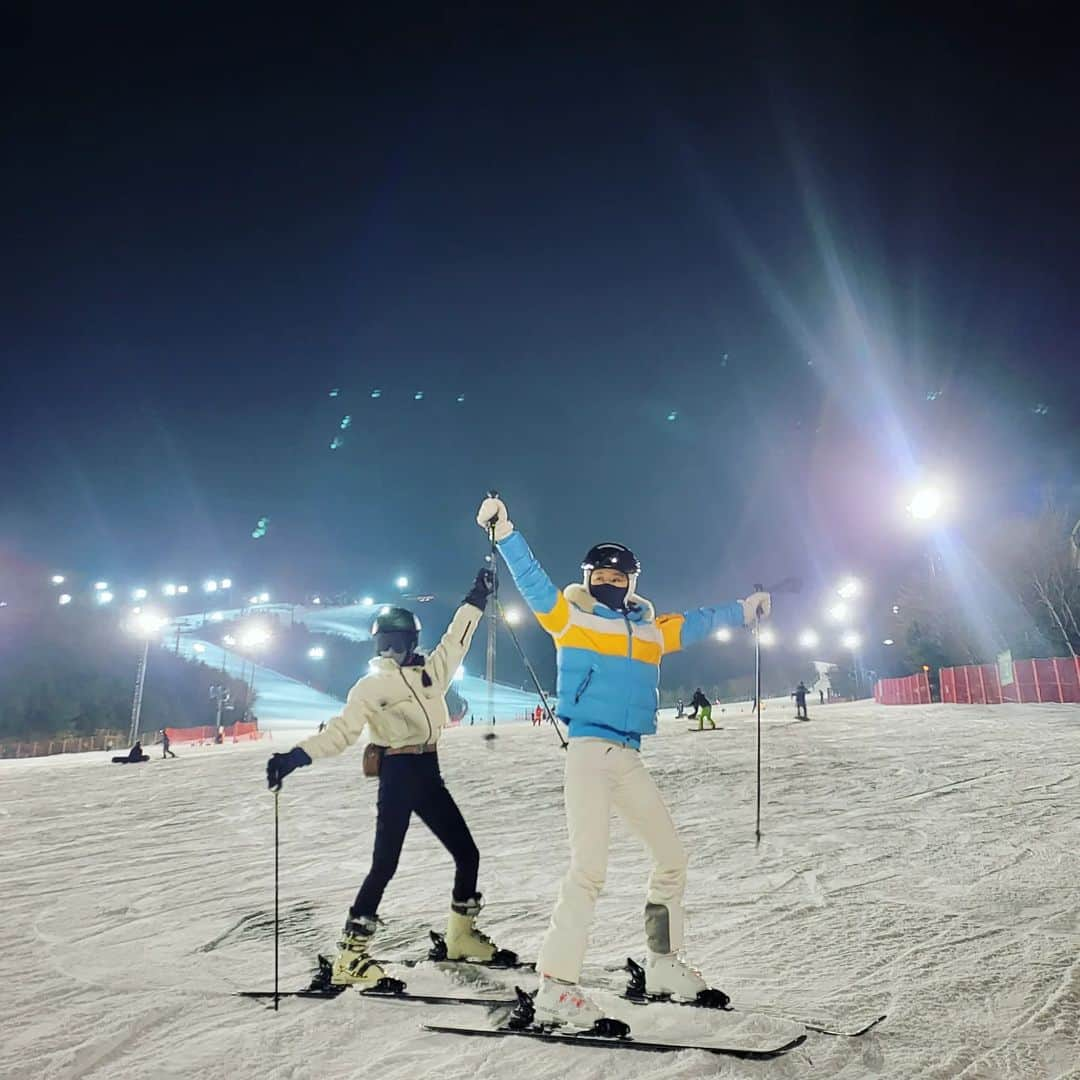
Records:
x=565, y=1004
x=668, y=973
x=353, y=965
x=463, y=940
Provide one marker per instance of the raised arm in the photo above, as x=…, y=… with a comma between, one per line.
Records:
x=689, y=627
x=537, y=590
x=444, y=660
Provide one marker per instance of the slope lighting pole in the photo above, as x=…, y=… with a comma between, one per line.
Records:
x=140, y=681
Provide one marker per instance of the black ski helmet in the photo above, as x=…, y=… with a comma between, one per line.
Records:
x=609, y=556
x=396, y=629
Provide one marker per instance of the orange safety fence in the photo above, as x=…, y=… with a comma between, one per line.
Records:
x=1033, y=682
x=910, y=690
x=248, y=730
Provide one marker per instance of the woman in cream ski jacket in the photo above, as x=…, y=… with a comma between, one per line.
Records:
x=402, y=702
x=609, y=643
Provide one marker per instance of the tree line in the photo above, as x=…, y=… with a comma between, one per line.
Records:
x=73, y=672
x=1016, y=587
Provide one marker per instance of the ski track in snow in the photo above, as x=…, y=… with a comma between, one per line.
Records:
x=922, y=862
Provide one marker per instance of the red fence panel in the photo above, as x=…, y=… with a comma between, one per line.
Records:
x=190, y=734
x=948, y=684
x=1024, y=678
x=910, y=690
x=208, y=733
x=1034, y=681
x=1068, y=677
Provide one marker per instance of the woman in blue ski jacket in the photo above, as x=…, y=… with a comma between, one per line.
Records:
x=609, y=643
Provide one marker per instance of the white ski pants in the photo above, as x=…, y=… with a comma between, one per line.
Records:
x=601, y=777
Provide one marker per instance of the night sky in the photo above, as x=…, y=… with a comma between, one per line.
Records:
x=841, y=247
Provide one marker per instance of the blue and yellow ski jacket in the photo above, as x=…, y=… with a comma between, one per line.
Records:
x=608, y=661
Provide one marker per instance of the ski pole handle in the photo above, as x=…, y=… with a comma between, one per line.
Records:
x=493, y=494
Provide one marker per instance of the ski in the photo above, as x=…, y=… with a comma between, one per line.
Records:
x=377, y=995
x=607, y=1033
x=715, y=999
x=386, y=989
x=627, y=1042
x=852, y=1033
x=700, y=731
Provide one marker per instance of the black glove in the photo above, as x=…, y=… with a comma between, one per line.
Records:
x=280, y=765
x=483, y=587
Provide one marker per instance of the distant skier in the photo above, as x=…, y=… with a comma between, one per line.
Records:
x=402, y=700
x=800, y=701
x=702, y=703
x=538, y=715
x=821, y=695
x=680, y=709
x=609, y=643
x=166, y=743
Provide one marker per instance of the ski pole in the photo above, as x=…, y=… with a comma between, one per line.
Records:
x=757, y=700
x=493, y=494
x=492, y=627
x=277, y=921
x=532, y=673
x=788, y=585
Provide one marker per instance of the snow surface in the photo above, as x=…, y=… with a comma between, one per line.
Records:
x=352, y=621
x=918, y=861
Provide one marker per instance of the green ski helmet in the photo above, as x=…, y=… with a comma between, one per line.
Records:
x=396, y=629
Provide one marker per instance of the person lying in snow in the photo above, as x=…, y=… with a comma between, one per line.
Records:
x=135, y=754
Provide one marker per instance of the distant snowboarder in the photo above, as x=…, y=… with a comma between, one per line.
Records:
x=133, y=756
x=702, y=709
x=402, y=701
x=799, y=695
x=609, y=643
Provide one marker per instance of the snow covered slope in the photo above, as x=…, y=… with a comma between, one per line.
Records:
x=283, y=701
x=918, y=861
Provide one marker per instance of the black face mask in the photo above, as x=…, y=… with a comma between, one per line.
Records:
x=612, y=596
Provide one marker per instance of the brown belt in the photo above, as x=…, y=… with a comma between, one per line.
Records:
x=424, y=748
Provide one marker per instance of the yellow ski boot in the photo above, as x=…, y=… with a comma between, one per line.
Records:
x=463, y=940
x=353, y=965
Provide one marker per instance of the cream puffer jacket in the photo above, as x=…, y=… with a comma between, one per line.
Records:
x=400, y=706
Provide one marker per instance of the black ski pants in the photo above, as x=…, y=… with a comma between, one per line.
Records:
x=408, y=784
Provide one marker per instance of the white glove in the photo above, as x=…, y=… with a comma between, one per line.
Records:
x=492, y=509
x=753, y=604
